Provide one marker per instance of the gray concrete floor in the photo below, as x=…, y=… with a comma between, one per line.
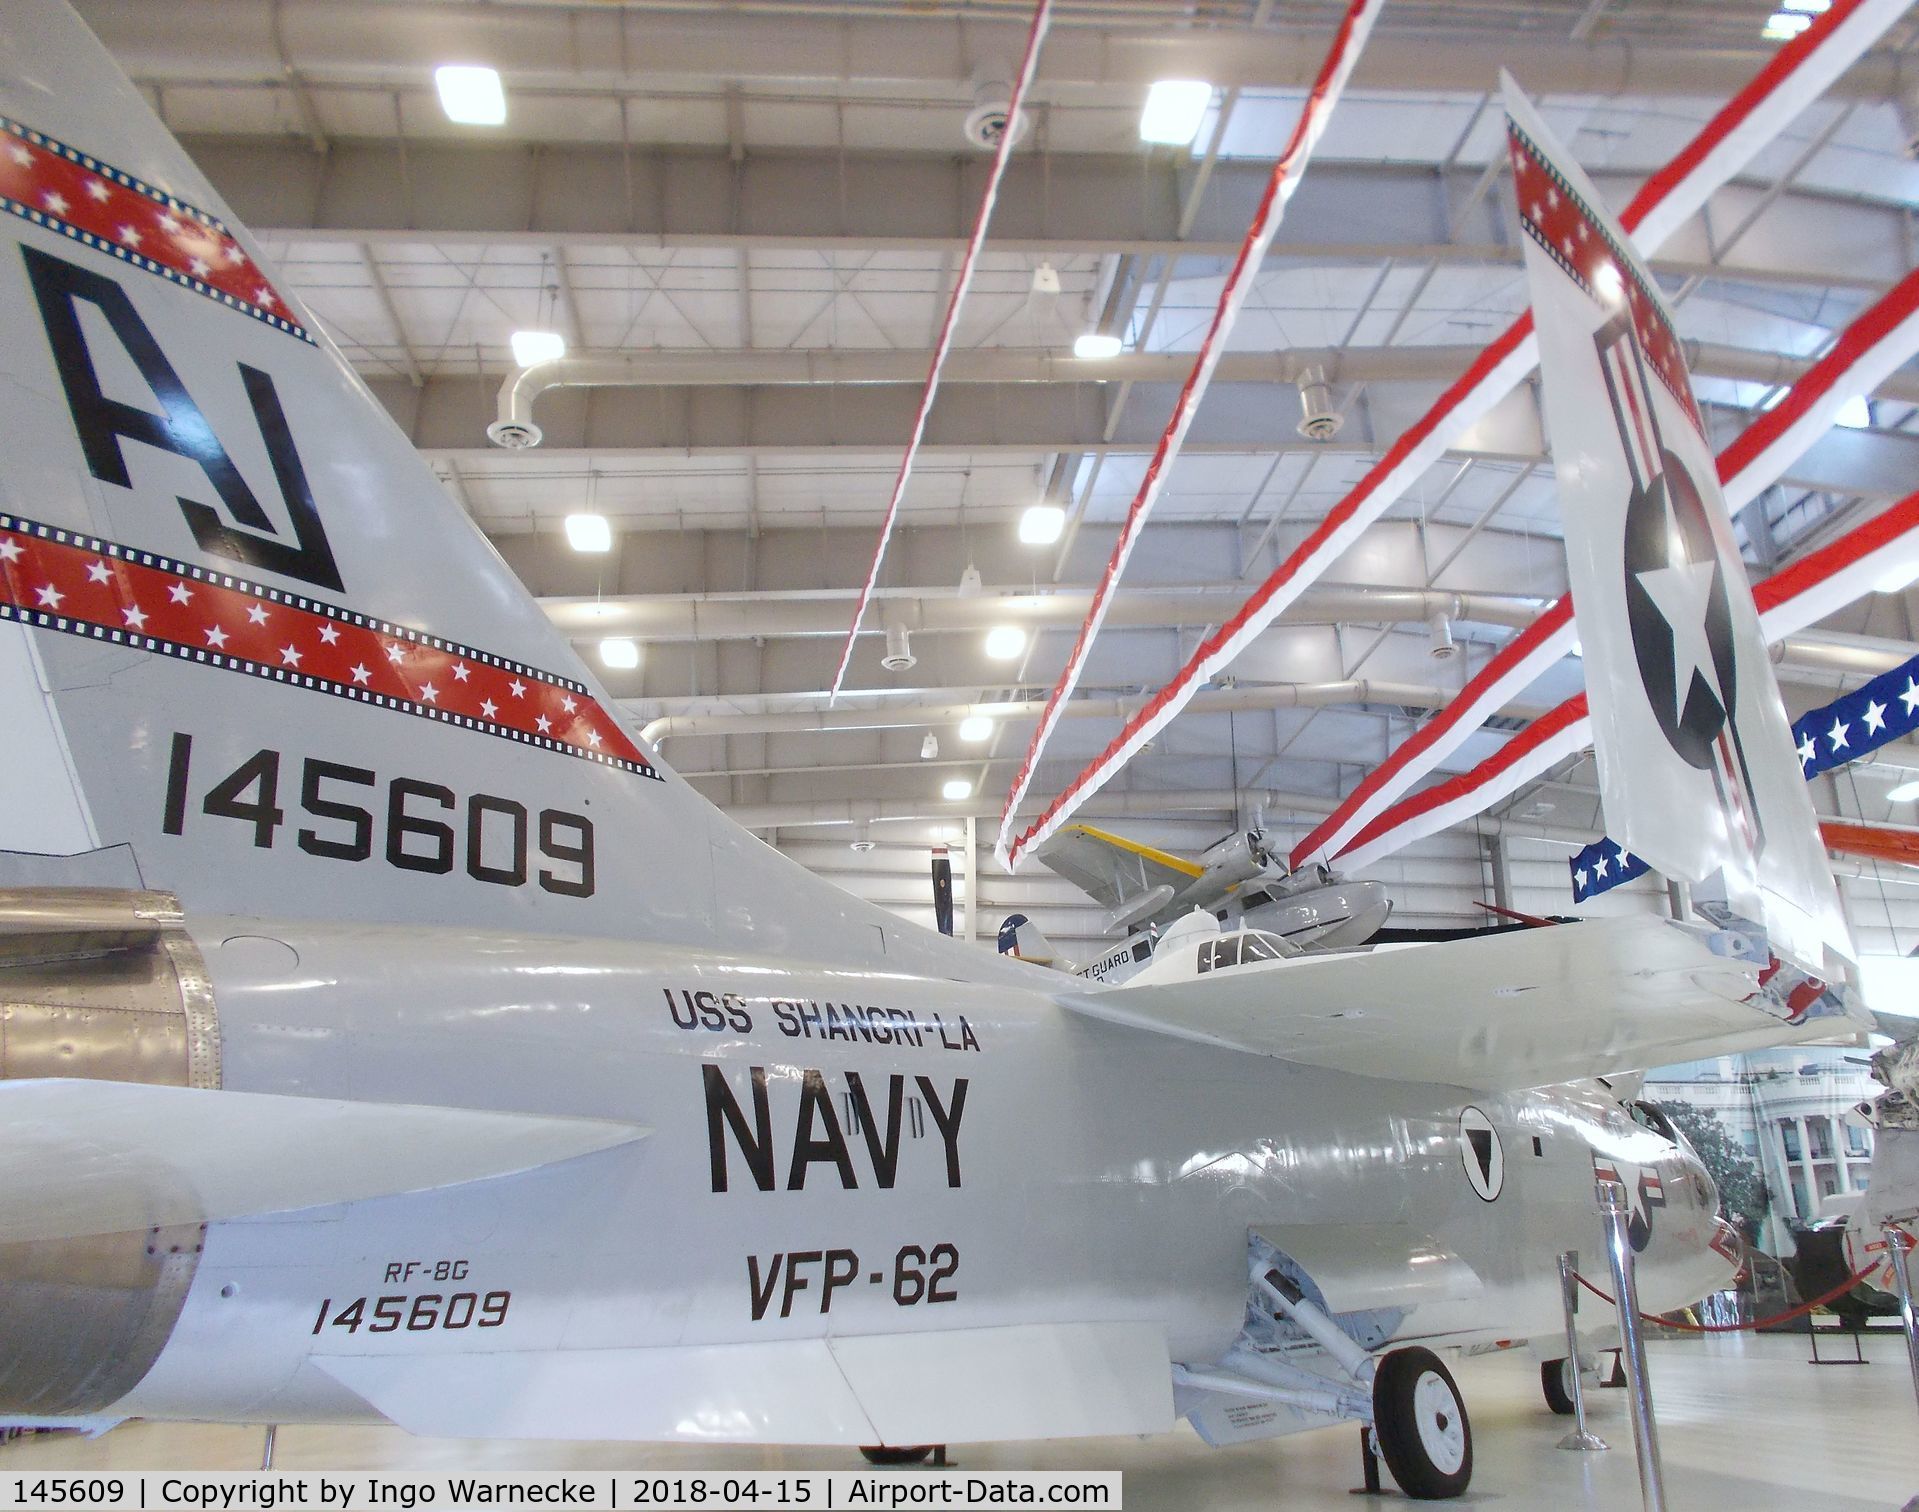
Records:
x=1745, y=1423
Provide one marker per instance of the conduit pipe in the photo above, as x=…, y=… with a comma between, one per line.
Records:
x=515, y=427
x=902, y=715
x=710, y=617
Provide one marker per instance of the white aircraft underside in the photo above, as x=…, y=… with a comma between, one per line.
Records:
x=387, y=1036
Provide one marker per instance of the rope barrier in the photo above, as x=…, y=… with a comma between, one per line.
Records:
x=1707, y=1328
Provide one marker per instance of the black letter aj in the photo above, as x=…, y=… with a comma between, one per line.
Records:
x=182, y=429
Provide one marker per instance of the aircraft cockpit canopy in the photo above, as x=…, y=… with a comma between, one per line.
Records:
x=1243, y=948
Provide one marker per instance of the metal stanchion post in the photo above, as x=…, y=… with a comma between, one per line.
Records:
x=1632, y=1348
x=1896, y=1252
x=266, y=1449
x=1580, y=1437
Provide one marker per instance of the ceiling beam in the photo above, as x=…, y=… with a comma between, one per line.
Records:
x=1056, y=203
x=445, y=419
x=394, y=44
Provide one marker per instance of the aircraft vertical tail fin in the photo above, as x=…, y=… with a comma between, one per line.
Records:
x=252, y=650
x=1696, y=763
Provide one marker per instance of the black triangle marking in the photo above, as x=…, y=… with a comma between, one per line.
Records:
x=1482, y=1143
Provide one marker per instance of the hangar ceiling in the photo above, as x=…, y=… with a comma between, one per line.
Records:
x=759, y=208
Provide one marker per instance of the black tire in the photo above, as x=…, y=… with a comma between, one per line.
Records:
x=1420, y=1421
x=1554, y=1382
x=896, y=1454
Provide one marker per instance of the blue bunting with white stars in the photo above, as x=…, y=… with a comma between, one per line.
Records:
x=1887, y=708
x=1601, y=867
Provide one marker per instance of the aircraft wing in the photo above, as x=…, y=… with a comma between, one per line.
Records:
x=99, y=1157
x=1497, y=1014
x=1112, y=870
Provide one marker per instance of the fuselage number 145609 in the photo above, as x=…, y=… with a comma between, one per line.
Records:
x=424, y=826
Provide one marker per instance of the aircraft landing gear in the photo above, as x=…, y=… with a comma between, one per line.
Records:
x=1555, y=1380
x=1421, y=1423
x=895, y=1454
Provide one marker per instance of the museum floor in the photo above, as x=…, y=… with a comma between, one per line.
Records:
x=1744, y=1423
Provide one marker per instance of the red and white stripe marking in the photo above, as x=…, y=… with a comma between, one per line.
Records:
x=1281, y=185
x=1800, y=71
x=1042, y=17
x=55, y=579
x=45, y=181
x=1879, y=342
x=1790, y=600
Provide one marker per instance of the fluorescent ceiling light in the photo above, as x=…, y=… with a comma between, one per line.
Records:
x=1854, y=414
x=471, y=95
x=1096, y=346
x=956, y=788
x=1004, y=642
x=1783, y=26
x=1174, y=108
x=1810, y=7
x=589, y=532
x=975, y=728
x=1899, y=579
x=1905, y=792
x=620, y=653
x=1041, y=525
x=533, y=347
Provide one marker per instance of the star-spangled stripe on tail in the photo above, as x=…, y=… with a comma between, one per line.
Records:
x=58, y=580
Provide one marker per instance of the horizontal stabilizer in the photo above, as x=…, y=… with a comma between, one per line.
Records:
x=1026, y=1381
x=1503, y=1012
x=99, y=1157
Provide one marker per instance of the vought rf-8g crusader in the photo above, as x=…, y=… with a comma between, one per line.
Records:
x=386, y=1035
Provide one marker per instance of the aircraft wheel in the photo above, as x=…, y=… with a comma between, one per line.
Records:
x=1421, y=1425
x=896, y=1454
x=1555, y=1380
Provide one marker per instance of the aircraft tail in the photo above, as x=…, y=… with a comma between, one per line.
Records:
x=251, y=651
x=1696, y=762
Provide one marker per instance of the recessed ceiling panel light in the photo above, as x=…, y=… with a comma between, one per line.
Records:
x=975, y=728
x=620, y=653
x=1904, y=793
x=956, y=788
x=1096, y=346
x=471, y=95
x=533, y=347
x=1004, y=642
x=1174, y=108
x=1041, y=525
x=589, y=532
